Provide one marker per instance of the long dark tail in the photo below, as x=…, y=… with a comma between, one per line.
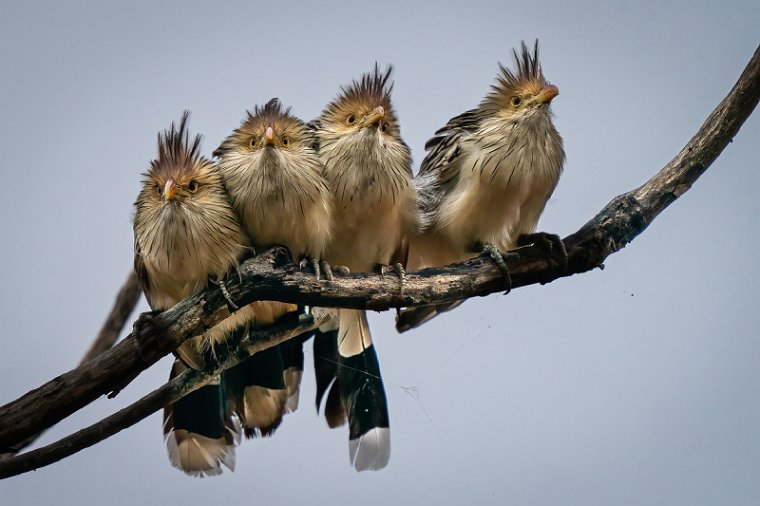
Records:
x=415, y=316
x=199, y=430
x=362, y=393
x=326, y=372
x=292, y=359
x=257, y=392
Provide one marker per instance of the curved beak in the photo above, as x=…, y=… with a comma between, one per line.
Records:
x=546, y=95
x=269, y=137
x=170, y=189
x=374, y=117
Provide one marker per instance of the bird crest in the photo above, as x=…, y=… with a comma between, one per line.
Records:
x=176, y=153
x=526, y=78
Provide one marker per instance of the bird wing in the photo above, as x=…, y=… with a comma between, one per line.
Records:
x=439, y=173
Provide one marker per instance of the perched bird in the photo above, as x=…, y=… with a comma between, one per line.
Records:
x=186, y=233
x=368, y=169
x=488, y=175
x=274, y=178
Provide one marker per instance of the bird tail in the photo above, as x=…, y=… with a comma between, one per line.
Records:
x=415, y=316
x=200, y=432
x=292, y=359
x=361, y=392
x=257, y=392
x=326, y=372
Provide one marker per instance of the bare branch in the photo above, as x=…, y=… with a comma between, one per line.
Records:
x=272, y=276
x=125, y=303
x=170, y=392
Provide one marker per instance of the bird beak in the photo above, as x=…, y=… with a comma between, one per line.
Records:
x=374, y=117
x=269, y=137
x=546, y=95
x=170, y=190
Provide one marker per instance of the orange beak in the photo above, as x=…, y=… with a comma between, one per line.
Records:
x=269, y=137
x=546, y=95
x=374, y=117
x=170, y=189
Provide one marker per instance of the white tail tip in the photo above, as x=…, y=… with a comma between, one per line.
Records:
x=372, y=451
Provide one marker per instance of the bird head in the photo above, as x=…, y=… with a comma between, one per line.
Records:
x=268, y=129
x=363, y=108
x=522, y=91
x=179, y=174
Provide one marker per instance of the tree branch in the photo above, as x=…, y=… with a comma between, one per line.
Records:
x=125, y=303
x=170, y=392
x=272, y=276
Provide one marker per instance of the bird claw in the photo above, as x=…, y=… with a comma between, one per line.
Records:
x=398, y=268
x=496, y=255
x=223, y=289
x=327, y=270
x=314, y=264
x=549, y=243
x=331, y=270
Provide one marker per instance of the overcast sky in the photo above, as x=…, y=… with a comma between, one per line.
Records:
x=634, y=385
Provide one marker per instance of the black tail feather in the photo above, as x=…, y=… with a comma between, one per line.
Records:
x=200, y=431
x=257, y=392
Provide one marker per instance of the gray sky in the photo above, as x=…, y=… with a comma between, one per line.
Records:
x=633, y=385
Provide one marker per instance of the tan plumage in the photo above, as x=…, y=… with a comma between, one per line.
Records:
x=186, y=233
x=275, y=181
x=488, y=174
x=276, y=185
x=368, y=169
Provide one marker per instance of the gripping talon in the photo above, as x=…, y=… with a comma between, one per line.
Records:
x=226, y=294
x=310, y=262
x=497, y=257
x=327, y=270
x=550, y=243
x=401, y=275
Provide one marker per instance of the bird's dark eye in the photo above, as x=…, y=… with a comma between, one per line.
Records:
x=515, y=101
x=285, y=141
x=192, y=186
x=253, y=142
x=351, y=119
x=384, y=127
x=159, y=189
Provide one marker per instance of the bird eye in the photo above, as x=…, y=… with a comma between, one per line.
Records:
x=285, y=141
x=351, y=119
x=253, y=142
x=515, y=101
x=192, y=186
x=159, y=189
x=384, y=127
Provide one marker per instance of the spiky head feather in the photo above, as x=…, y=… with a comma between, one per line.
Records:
x=526, y=79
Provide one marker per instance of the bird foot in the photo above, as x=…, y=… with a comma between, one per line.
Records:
x=549, y=243
x=226, y=293
x=400, y=272
x=314, y=264
x=496, y=255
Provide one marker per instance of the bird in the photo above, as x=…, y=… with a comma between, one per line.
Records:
x=276, y=185
x=368, y=169
x=185, y=234
x=487, y=176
